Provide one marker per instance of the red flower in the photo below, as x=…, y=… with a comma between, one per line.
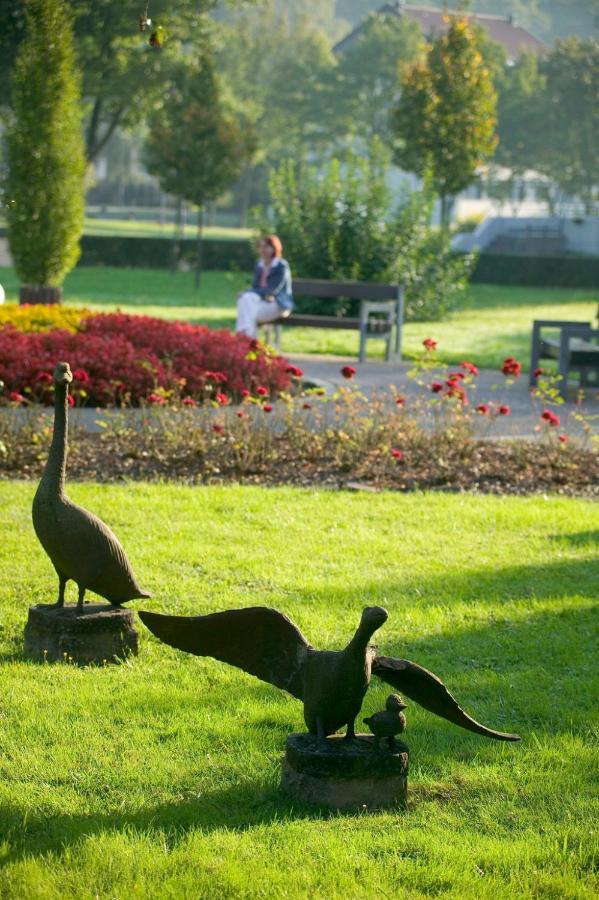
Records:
x=456, y=376
x=483, y=409
x=550, y=417
x=189, y=401
x=400, y=400
x=307, y=406
x=429, y=344
x=15, y=397
x=504, y=410
x=511, y=367
x=240, y=414
x=44, y=378
x=71, y=400
x=454, y=390
x=294, y=371
x=436, y=387
x=267, y=407
x=537, y=373
x=348, y=372
x=396, y=454
x=81, y=376
x=562, y=438
x=222, y=399
x=245, y=393
x=156, y=398
x=218, y=429
x=470, y=368
x=262, y=391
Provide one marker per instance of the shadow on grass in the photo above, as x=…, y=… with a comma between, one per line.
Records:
x=578, y=539
x=238, y=808
x=483, y=587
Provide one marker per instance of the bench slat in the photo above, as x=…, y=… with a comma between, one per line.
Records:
x=351, y=290
x=380, y=326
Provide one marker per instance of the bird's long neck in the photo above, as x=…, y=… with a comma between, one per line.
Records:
x=358, y=644
x=54, y=473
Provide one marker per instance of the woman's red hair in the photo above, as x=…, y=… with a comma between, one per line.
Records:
x=273, y=241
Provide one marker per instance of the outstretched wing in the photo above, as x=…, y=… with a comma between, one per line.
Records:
x=429, y=691
x=258, y=640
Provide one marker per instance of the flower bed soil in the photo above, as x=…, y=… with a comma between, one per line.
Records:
x=498, y=467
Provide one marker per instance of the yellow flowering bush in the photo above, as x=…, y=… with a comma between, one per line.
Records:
x=43, y=317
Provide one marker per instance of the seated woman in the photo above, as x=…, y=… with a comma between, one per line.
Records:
x=270, y=296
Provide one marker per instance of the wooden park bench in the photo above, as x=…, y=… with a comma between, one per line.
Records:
x=381, y=312
x=576, y=348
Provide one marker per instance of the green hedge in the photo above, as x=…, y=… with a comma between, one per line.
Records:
x=156, y=253
x=537, y=271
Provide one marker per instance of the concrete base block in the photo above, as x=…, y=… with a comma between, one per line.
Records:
x=347, y=775
x=99, y=634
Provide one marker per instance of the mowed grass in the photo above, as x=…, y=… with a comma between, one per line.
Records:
x=159, y=778
x=495, y=321
x=141, y=228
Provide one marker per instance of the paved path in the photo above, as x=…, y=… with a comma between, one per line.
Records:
x=491, y=387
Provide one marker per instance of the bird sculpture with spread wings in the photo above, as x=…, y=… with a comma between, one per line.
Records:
x=330, y=683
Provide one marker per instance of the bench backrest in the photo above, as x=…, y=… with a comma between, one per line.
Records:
x=351, y=290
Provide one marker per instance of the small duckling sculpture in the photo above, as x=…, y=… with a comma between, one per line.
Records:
x=80, y=546
x=389, y=722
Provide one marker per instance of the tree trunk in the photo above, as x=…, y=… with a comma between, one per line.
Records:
x=200, y=253
x=39, y=293
x=176, y=237
x=446, y=207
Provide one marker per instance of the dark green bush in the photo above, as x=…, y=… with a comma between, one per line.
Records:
x=156, y=253
x=538, y=271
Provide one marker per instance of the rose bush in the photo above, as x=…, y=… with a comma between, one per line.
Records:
x=124, y=359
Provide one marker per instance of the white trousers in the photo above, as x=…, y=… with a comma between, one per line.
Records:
x=252, y=311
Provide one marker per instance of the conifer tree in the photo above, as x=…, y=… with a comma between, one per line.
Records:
x=44, y=185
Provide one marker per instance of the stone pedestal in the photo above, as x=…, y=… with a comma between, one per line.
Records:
x=347, y=775
x=99, y=634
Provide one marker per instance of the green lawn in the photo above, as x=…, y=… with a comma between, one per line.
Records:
x=140, y=228
x=158, y=778
x=496, y=321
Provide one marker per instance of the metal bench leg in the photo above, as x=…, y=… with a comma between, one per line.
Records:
x=363, y=332
x=535, y=352
x=278, y=333
x=564, y=362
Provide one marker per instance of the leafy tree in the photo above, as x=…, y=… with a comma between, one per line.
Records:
x=123, y=76
x=196, y=148
x=569, y=114
x=445, y=119
x=366, y=75
x=521, y=114
x=336, y=221
x=43, y=191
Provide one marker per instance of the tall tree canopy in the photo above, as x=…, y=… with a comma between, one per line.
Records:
x=43, y=192
x=445, y=119
x=122, y=74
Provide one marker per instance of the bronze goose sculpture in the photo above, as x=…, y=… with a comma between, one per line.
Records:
x=331, y=683
x=80, y=546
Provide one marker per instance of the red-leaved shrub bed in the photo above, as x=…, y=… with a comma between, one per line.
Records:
x=120, y=359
